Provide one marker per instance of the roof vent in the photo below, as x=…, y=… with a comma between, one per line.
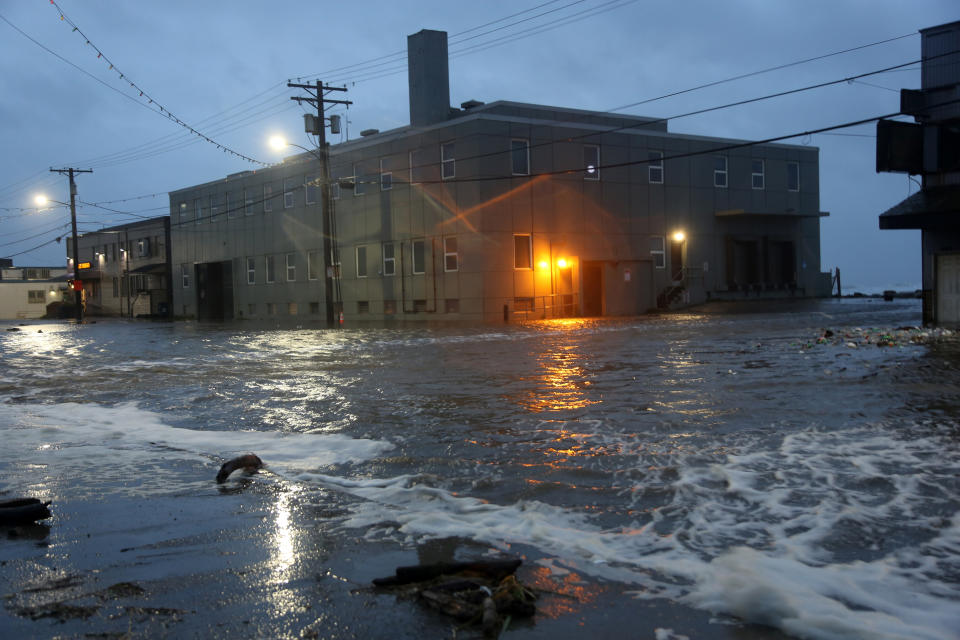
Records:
x=470, y=104
x=369, y=132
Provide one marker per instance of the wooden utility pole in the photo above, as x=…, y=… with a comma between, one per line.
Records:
x=78, y=293
x=331, y=257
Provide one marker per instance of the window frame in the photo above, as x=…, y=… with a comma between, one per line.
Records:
x=754, y=174
x=793, y=168
x=251, y=270
x=215, y=205
x=594, y=175
x=268, y=197
x=248, y=202
x=391, y=260
x=721, y=178
x=448, y=254
x=357, y=182
x=654, y=165
x=660, y=254
x=386, y=177
x=310, y=186
x=361, y=263
x=520, y=145
x=270, y=269
x=198, y=209
x=291, y=265
x=184, y=211
x=289, y=193
x=528, y=252
x=448, y=165
x=313, y=270
x=185, y=275
x=415, y=169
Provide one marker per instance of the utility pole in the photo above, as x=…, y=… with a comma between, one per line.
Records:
x=331, y=257
x=78, y=293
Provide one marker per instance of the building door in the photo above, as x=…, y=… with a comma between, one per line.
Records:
x=214, y=291
x=593, y=289
x=948, y=290
x=676, y=259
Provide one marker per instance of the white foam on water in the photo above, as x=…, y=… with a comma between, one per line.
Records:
x=124, y=440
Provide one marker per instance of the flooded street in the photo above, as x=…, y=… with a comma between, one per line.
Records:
x=720, y=473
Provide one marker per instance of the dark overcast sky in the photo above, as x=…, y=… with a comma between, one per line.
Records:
x=222, y=68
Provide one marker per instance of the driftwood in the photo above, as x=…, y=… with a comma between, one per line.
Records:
x=494, y=570
x=23, y=511
x=249, y=463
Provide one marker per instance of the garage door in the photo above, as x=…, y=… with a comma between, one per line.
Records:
x=948, y=290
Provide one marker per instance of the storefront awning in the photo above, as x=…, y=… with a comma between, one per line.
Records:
x=927, y=209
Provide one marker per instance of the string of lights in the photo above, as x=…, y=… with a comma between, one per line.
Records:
x=143, y=93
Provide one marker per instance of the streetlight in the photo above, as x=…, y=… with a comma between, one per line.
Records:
x=42, y=201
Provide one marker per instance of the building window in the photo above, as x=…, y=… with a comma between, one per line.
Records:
x=313, y=265
x=198, y=209
x=357, y=181
x=271, y=269
x=185, y=276
x=389, y=307
x=389, y=260
x=289, y=189
x=361, y=262
x=335, y=188
x=793, y=176
x=522, y=252
x=184, y=212
x=416, y=168
x=291, y=267
x=655, y=167
x=267, y=198
x=271, y=309
x=591, y=162
x=314, y=308
x=216, y=206
x=247, y=202
x=451, y=305
x=419, y=249
x=143, y=247
x=291, y=308
x=36, y=296
x=310, y=189
x=520, y=157
x=420, y=305
x=363, y=307
x=386, y=177
x=524, y=304
x=720, y=171
x=448, y=166
x=757, y=174
x=657, y=252
x=451, y=259
x=231, y=205
x=251, y=270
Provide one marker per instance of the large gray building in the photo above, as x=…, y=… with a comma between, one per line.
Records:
x=502, y=211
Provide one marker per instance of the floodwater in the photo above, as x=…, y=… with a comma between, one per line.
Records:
x=719, y=463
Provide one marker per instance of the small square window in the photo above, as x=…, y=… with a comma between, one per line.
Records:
x=363, y=307
x=451, y=305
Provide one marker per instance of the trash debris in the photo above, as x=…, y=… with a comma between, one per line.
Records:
x=23, y=511
x=483, y=593
x=901, y=336
x=249, y=463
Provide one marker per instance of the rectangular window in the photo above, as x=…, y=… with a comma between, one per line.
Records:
x=271, y=269
x=198, y=209
x=363, y=307
x=720, y=171
x=655, y=167
x=357, y=181
x=289, y=190
x=248, y=202
x=36, y=296
x=292, y=308
x=419, y=249
x=389, y=260
x=520, y=157
x=314, y=308
x=757, y=174
x=184, y=212
x=252, y=309
x=522, y=252
x=335, y=189
x=143, y=247
x=267, y=198
x=314, y=263
x=386, y=176
x=231, y=205
x=291, y=267
x=185, y=276
x=389, y=307
x=793, y=176
x=416, y=168
x=310, y=189
x=361, y=262
x=591, y=162
x=271, y=309
x=657, y=252
x=216, y=207
x=451, y=259
x=251, y=270
x=451, y=305
x=448, y=163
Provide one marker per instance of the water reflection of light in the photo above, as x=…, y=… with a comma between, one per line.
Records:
x=561, y=379
x=284, y=537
